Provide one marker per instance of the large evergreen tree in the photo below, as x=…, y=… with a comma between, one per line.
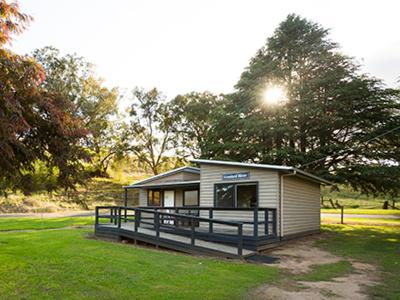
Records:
x=331, y=111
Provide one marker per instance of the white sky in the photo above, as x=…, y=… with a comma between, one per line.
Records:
x=183, y=46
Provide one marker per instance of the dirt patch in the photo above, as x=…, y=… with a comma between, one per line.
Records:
x=297, y=257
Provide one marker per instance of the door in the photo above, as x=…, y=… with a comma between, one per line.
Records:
x=169, y=201
x=169, y=198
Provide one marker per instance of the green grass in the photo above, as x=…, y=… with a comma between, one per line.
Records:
x=362, y=221
x=51, y=265
x=27, y=223
x=326, y=272
x=379, y=245
x=360, y=211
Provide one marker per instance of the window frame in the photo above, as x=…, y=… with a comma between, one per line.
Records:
x=191, y=190
x=236, y=184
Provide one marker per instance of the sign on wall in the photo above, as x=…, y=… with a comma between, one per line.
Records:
x=241, y=175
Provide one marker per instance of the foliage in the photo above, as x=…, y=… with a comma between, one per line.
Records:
x=331, y=111
x=67, y=265
x=35, y=125
x=150, y=133
x=12, y=21
x=73, y=77
x=194, y=117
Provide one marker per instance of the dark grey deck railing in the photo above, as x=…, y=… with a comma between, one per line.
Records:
x=166, y=220
x=269, y=220
x=118, y=214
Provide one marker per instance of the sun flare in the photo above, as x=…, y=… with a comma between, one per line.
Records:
x=274, y=95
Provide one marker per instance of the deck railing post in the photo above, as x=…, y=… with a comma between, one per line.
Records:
x=255, y=222
x=119, y=216
x=111, y=215
x=210, y=216
x=115, y=215
x=137, y=219
x=240, y=239
x=157, y=223
x=192, y=232
x=96, y=220
x=266, y=221
x=125, y=204
x=274, y=224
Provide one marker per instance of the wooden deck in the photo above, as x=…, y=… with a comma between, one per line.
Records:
x=182, y=232
x=179, y=239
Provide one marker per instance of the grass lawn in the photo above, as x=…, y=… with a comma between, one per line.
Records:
x=26, y=223
x=362, y=221
x=379, y=245
x=67, y=265
x=54, y=264
x=360, y=211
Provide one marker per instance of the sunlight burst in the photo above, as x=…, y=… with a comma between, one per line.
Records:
x=274, y=95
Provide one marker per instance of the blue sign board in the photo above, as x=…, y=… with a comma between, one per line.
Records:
x=242, y=175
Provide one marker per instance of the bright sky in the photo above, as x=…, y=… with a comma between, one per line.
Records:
x=183, y=46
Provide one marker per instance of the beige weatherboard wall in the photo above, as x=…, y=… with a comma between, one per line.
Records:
x=294, y=193
x=300, y=206
x=268, y=190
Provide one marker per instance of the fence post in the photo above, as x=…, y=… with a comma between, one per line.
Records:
x=240, y=241
x=111, y=215
x=115, y=215
x=341, y=214
x=210, y=216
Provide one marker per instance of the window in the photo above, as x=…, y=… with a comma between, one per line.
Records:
x=246, y=195
x=154, y=198
x=133, y=197
x=191, y=198
x=224, y=195
x=240, y=195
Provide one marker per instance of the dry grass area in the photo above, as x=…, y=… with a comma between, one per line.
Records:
x=97, y=191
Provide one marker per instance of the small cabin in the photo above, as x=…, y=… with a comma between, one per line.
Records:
x=223, y=208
